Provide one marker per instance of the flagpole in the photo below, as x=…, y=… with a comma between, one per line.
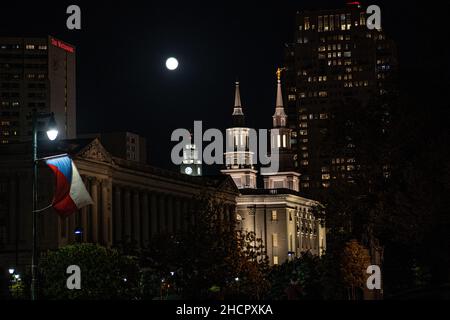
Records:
x=51, y=133
x=34, y=222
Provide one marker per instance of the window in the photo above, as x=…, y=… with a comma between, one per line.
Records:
x=343, y=21
x=306, y=23
x=275, y=239
x=274, y=215
x=29, y=46
x=349, y=21
x=362, y=18
x=275, y=260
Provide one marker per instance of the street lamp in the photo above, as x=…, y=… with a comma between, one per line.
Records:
x=11, y=271
x=52, y=129
x=52, y=133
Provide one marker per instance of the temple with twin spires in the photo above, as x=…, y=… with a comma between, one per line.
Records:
x=276, y=212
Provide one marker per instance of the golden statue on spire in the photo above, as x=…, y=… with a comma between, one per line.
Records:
x=279, y=73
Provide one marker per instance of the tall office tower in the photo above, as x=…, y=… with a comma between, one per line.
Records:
x=125, y=145
x=337, y=63
x=40, y=74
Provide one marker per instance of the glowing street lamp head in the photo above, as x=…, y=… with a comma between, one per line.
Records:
x=171, y=63
x=52, y=129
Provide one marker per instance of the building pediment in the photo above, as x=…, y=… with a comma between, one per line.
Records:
x=228, y=185
x=95, y=151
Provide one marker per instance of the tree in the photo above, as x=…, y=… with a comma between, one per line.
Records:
x=105, y=274
x=210, y=259
x=299, y=279
x=354, y=262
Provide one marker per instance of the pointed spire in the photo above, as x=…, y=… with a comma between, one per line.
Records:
x=238, y=115
x=237, y=96
x=279, y=102
x=279, y=118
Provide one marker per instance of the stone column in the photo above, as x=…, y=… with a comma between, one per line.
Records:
x=154, y=214
x=83, y=223
x=145, y=219
x=71, y=225
x=185, y=215
x=169, y=214
x=177, y=217
x=94, y=211
x=136, y=218
x=106, y=213
x=127, y=215
x=162, y=214
x=117, y=225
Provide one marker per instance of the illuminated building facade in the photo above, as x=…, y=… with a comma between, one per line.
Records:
x=279, y=214
x=133, y=202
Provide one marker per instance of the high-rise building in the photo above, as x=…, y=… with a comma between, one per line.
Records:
x=40, y=74
x=336, y=61
x=125, y=145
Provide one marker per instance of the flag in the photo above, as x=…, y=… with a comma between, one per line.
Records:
x=70, y=192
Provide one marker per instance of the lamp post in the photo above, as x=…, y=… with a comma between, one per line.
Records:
x=52, y=133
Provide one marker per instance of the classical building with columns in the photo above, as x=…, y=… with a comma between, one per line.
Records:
x=132, y=201
x=277, y=213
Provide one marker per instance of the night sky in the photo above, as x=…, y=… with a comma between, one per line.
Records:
x=123, y=84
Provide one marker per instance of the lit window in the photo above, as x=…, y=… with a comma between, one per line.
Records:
x=29, y=46
x=306, y=23
x=274, y=215
x=326, y=176
x=275, y=260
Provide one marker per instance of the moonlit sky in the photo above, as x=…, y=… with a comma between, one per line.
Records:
x=123, y=83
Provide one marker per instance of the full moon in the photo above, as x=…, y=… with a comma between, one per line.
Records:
x=171, y=63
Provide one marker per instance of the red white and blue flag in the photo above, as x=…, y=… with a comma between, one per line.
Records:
x=70, y=192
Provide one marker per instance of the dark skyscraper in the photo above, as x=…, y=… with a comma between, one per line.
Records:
x=36, y=73
x=336, y=61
